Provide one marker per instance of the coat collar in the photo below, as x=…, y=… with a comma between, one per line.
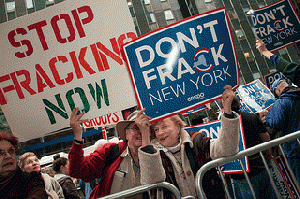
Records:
x=184, y=139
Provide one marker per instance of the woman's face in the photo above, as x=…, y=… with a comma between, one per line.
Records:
x=32, y=163
x=65, y=169
x=167, y=132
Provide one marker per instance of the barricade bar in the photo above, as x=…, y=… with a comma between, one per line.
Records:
x=247, y=152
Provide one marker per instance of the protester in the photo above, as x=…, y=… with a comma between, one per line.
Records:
x=254, y=134
x=290, y=70
x=49, y=171
x=14, y=183
x=284, y=117
x=60, y=166
x=173, y=157
x=28, y=162
x=116, y=164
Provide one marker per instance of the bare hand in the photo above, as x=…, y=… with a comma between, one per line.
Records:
x=261, y=47
x=75, y=122
x=143, y=122
x=227, y=98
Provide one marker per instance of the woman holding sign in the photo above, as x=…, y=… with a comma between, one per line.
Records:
x=179, y=156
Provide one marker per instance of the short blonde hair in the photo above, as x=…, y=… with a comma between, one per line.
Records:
x=23, y=158
x=175, y=118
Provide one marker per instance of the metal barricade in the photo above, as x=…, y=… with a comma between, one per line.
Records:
x=147, y=188
x=248, y=152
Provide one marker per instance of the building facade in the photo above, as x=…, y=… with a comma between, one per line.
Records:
x=149, y=15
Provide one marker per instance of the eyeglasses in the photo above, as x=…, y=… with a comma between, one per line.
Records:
x=134, y=127
x=11, y=152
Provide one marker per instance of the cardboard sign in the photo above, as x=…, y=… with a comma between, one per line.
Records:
x=211, y=130
x=277, y=25
x=65, y=56
x=184, y=65
x=110, y=119
x=270, y=78
x=254, y=97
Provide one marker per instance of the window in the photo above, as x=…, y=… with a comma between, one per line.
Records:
x=10, y=6
x=163, y=0
x=261, y=4
x=256, y=75
x=152, y=18
x=207, y=1
x=168, y=15
x=49, y=2
x=246, y=8
x=282, y=51
x=129, y=3
x=239, y=33
x=231, y=14
x=29, y=4
x=146, y=2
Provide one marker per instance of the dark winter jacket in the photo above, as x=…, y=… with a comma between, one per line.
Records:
x=23, y=185
x=284, y=116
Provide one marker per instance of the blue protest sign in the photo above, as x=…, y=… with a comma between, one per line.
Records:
x=184, y=65
x=270, y=78
x=211, y=130
x=254, y=97
x=277, y=25
x=196, y=110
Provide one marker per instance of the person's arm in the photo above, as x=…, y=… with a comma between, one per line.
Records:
x=70, y=190
x=265, y=137
x=57, y=188
x=227, y=143
x=36, y=186
x=289, y=69
x=276, y=119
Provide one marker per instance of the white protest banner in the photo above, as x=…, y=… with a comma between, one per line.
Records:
x=105, y=120
x=277, y=25
x=184, y=65
x=254, y=97
x=65, y=56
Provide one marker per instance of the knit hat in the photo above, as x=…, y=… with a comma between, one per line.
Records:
x=275, y=84
x=123, y=124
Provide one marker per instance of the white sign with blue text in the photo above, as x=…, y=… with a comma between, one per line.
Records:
x=211, y=130
x=182, y=66
x=255, y=97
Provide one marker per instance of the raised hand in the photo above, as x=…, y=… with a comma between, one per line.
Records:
x=75, y=121
x=261, y=47
x=143, y=122
x=227, y=97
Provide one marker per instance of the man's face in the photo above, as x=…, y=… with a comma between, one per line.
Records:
x=281, y=86
x=8, y=158
x=133, y=135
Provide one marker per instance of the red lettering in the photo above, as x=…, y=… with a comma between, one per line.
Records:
x=87, y=124
x=38, y=27
x=56, y=29
x=86, y=20
x=5, y=89
x=109, y=53
x=115, y=120
x=108, y=117
x=40, y=73
x=25, y=83
x=97, y=57
x=14, y=43
x=82, y=61
x=58, y=80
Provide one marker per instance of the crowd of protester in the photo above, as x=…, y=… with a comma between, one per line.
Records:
x=161, y=152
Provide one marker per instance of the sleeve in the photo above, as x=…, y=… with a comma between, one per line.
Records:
x=290, y=70
x=36, y=186
x=227, y=143
x=152, y=170
x=277, y=116
x=70, y=190
x=89, y=167
x=57, y=188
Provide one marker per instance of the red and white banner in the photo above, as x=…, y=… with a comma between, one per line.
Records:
x=62, y=57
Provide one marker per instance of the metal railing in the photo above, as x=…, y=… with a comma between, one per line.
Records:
x=248, y=152
x=147, y=188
